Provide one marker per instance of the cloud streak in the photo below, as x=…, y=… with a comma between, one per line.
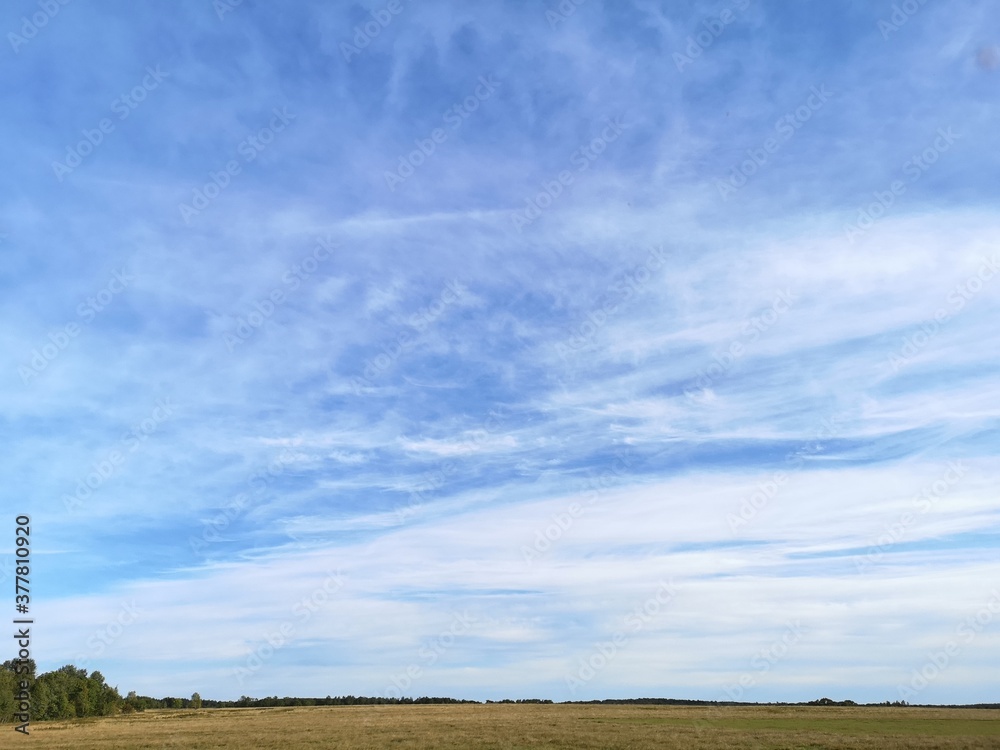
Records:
x=505, y=314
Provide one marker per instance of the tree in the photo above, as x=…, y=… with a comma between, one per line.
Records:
x=16, y=665
x=40, y=698
x=195, y=700
x=8, y=687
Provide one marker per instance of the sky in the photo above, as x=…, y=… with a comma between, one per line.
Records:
x=602, y=349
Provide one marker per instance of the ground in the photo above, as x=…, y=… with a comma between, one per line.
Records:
x=523, y=726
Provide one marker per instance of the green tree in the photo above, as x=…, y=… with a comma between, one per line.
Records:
x=133, y=703
x=80, y=697
x=14, y=665
x=60, y=706
x=8, y=687
x=40, y=698
x=195, y=700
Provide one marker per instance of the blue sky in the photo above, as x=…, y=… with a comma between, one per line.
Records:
x=430, y=348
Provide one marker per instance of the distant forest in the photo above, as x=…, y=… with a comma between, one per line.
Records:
x=69, y=692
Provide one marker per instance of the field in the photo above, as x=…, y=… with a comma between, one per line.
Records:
x=519, y=727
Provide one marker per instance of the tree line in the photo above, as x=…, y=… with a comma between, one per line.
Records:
x=66, y=693
x=70, y=692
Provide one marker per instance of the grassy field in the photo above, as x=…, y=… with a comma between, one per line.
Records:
x=519, y=727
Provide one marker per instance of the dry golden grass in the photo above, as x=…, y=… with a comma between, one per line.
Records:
x=518, y=727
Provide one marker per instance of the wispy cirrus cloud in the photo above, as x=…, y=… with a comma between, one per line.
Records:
x=441, y=383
